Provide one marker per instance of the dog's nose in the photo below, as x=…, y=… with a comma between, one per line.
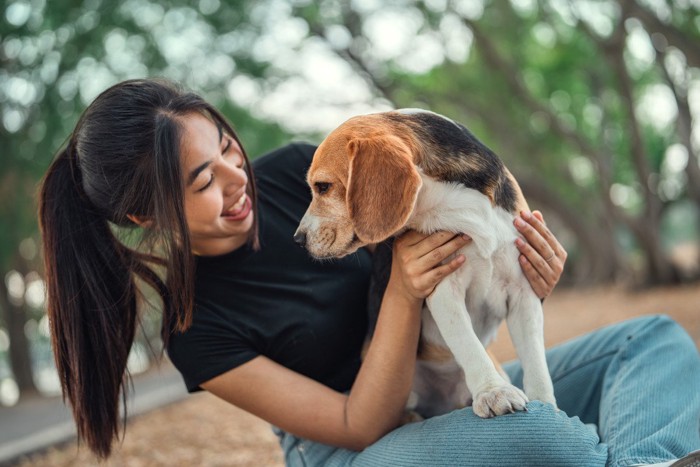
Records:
x=300, y=238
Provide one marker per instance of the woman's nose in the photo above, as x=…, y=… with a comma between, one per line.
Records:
x=235, y=178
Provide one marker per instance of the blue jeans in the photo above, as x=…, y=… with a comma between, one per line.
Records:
x=638, y=382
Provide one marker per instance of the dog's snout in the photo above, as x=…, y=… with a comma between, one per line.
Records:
x=300, y=238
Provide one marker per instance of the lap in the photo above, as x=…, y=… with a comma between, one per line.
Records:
x=462, y=438
x=541, y=436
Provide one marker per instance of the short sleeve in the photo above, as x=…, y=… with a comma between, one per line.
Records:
x=212, y=346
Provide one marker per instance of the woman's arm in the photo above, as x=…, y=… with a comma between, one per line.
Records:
x=378, y=397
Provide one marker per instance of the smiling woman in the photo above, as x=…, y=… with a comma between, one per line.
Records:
x=256, y=321
x=218, y=204
x=123, y=165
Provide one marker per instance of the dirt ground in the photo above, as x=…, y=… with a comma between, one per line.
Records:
x=204, y=431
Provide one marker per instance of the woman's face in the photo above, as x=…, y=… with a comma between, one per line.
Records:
x=218, y=210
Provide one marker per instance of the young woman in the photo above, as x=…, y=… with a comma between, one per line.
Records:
x=250, y=317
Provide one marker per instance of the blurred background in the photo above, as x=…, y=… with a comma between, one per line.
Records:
x=592, y=104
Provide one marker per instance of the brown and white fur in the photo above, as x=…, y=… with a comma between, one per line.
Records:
x=377, y=175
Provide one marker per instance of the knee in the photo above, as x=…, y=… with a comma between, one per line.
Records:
x=662, y=330
x=556, y=439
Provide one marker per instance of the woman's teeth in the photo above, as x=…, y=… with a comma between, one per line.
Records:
x=237, y=207
x=240, y=202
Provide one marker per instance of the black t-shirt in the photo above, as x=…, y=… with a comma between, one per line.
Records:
x=305, y=314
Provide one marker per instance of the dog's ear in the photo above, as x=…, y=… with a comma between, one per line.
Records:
x=383, y=185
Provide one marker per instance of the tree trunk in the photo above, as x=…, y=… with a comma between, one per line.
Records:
x=684, y=125
x=20, y=358
x=659, y=269
x=647, y=226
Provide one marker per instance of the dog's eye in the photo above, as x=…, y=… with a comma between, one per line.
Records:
x=322, y=187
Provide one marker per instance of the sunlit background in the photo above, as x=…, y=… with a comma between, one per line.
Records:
x=592, y=104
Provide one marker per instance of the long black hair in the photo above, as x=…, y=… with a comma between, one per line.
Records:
x=122, y=160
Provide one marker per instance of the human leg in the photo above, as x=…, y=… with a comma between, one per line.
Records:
x=461, y=438
x=638, y=381
x=612, y=377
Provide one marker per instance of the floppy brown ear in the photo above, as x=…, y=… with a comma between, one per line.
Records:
x=383, y=185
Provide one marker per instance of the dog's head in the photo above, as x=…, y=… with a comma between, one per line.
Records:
x=364, y=184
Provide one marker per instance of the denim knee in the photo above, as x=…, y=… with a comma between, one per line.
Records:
x=558, y=439
x=662, y=330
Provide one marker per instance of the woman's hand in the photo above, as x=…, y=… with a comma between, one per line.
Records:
x=542, y=257
x=417, y=261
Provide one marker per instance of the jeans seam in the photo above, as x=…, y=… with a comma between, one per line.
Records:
x=613, y=423
x=583, y=364
x=632, y=461
x=622, y=354
x=301, y=449
x=634, y=334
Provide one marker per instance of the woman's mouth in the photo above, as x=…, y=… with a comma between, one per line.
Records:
x=240, y=210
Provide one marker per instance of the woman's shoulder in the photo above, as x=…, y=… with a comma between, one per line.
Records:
x=293, y=155
x=282, y=173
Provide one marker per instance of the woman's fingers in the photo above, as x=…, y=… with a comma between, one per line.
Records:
x=435, y=275
x=542, y=256
x=541, y=240
x=424, y=244
x=422, y=257
x=541, y=276
x=438, y=247
x=431, y=263
x=538, y=283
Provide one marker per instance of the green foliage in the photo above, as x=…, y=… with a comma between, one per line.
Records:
x=56, y=58
x=536, y=83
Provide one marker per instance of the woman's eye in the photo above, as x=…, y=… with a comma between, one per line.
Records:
x=239, y=161
x=228, y=146
x=211, y=180
x=322, y=187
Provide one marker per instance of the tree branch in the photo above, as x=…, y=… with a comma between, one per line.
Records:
x=512, y=76
x=684, y=125
x=691, y=48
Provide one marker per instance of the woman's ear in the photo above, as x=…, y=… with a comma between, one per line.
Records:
x=383, y=186
x=141, y=221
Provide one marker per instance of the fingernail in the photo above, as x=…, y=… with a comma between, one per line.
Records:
x=519, y=241
x=527, y=214
x=460, y=259
x=466, y=237
x=523, y=259
x=519, y=222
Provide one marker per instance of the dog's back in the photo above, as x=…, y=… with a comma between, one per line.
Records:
x=451, y=153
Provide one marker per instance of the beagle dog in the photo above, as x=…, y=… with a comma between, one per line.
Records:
x=377, y=175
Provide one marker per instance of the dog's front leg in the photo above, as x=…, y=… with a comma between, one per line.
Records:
x=492, y=394
x=526, y=327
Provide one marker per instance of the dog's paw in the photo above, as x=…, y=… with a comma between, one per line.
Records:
x=498, y=401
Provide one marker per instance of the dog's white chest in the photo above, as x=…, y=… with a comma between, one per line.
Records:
x=491, y=271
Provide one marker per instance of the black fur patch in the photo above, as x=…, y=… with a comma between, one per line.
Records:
x=459, y=156
x=381, y=271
